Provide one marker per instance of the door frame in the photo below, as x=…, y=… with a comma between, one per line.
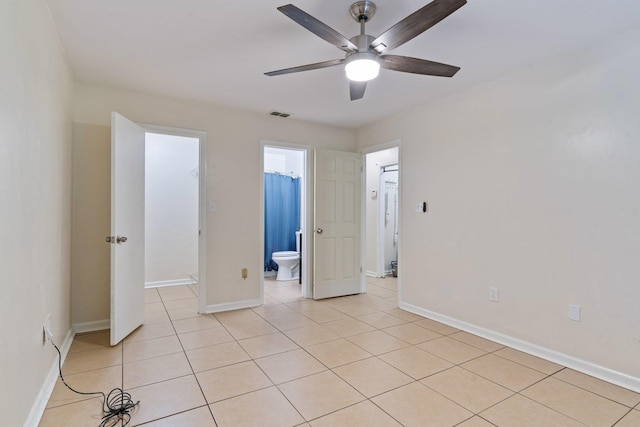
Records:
x=373, y=149
x=305, y=221
x=202, y=201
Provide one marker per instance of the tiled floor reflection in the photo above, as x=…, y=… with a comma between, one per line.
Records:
x=350, y=361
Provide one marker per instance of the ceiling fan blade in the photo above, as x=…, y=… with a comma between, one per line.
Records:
x=407, y=64
x=307, y=67
x=356, y=89
x=318, y=28
x=415, y=24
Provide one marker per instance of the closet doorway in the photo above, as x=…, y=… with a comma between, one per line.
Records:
x=382, y=201
x=174, y=211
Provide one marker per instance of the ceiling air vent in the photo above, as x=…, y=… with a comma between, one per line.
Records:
x=279, y=114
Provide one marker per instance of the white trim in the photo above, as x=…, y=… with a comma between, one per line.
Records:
x=601, y=372
x=96, y=325
x=40, y=404
x=236, y=305
x=175, y=282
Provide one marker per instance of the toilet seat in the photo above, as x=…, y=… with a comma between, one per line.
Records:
x=285, y=255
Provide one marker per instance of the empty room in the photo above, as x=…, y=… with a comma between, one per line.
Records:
x=371, y=213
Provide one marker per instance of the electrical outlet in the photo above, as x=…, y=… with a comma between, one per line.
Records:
x=245, y=273
x=493, y=294
x=574, y=312
x=46, y=329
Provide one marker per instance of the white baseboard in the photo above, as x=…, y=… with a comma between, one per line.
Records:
x=96, y=325
x=605, y=374
x=175, y=282
x=40, y=404
x=228, y=306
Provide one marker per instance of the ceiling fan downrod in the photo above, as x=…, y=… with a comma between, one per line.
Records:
x=361, y=12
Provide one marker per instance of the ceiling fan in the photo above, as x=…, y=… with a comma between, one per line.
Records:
x=365, y=54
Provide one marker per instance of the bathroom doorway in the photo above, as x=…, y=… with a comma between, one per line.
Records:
x=382, y=211
x=174, y=218
x=285, y=198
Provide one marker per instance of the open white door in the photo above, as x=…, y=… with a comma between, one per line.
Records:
x=127, y=227
x=337, y=257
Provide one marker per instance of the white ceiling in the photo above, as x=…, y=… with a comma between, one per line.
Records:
x=216, y=51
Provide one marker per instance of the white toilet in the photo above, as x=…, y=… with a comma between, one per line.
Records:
x=288, y=262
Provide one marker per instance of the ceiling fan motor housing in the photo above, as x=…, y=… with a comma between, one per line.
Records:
x=363, y=42
x=362, y=10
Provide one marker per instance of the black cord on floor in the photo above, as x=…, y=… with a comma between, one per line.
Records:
x=116, y=406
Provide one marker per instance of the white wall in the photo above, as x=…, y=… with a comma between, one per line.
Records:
x=233, y=175
x=284, y=161
x=171, y=208
x=532, y=183
x=35, y=209
x=373, y=163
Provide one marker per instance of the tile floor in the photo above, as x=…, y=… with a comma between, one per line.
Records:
x=350, y=361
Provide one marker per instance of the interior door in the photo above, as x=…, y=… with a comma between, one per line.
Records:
x=127, y=227
x=337, y=256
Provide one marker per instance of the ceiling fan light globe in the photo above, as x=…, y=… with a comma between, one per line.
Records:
x=362, y=70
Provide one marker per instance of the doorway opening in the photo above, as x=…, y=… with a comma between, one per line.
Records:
x=174, y=211
x=285, y=191
x=382, y=212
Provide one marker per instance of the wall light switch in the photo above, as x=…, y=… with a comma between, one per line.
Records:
x=493, y=294
x=574, y=312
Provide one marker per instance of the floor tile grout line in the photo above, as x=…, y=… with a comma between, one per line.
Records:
x=558, y=411
x=169, y=416
x=621, y=418
x=588, y=390
x=550, y=408
x=190, y=367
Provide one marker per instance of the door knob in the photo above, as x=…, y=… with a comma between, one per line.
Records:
x=319, y=230
x=121, y=239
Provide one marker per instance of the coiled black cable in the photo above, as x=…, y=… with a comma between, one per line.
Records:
x=116, y=406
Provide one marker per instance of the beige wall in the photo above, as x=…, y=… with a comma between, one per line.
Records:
x=35, y=210
x=532, y=183
x=233, y=182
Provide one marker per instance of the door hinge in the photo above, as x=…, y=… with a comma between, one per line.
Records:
x=110, y=239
